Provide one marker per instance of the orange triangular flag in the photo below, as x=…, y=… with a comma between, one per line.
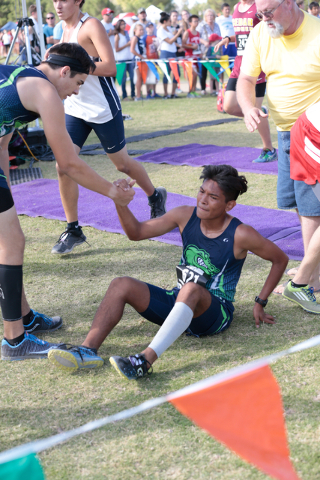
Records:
x=245, y=413
x=174, y=67
x=143, y=67
x=189, y=67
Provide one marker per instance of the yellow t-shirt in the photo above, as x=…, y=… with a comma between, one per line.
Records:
x=292, y=66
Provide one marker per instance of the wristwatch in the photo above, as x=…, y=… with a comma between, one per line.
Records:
x=261, y=302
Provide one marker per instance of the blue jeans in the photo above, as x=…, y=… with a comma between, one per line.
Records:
x=165, y=54
x=129, y=68
x=293, y=193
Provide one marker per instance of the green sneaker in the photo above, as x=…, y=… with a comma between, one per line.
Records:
x=303, y=296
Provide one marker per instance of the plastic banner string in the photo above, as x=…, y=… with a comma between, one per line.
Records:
x=159, y=67
x=153, y=70
x=164, y=69
x=175, y=71
x=121, y=67
x=189, y=70
x=237, y=423
x=143, y=68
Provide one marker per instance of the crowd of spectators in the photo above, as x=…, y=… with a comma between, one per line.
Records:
x=176, y=35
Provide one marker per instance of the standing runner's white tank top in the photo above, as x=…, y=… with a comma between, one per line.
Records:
x=98, y=100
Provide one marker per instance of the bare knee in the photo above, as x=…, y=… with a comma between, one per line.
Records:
x=120, y=286
x=123, y=168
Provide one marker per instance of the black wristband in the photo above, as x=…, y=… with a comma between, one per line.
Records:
x=227, y=37
x=261, y=302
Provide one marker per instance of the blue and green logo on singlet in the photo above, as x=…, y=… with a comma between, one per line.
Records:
x=200, y=258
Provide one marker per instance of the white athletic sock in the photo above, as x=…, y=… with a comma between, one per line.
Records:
x=174, y=325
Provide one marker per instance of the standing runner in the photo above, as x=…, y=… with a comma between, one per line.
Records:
x=97, y=107
x=244, y=20
x=27, y=93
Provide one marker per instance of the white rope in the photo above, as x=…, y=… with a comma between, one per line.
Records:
x=40, y=445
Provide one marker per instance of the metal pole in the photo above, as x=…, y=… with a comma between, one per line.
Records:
x=16, y=33
x=26, y=32
x=42, y=46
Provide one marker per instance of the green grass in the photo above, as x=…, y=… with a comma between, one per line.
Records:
x=37, y=400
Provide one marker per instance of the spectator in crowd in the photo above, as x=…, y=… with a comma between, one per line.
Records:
x=142, y=20
x=33, y=38
x=185, y=16
x=168, y=49
x=285, y=45
x=123, y=53
x=151, y=47
x=226, y=29
x=225, y=21
x=314, y=9
x=300, y=4
x=48, y=29
x=244, y=20
x=191, y=41
x=57, y=32
x=6, y=39
x=174, y=28
x=207, y=28
x=107, y=17
x=138, y=50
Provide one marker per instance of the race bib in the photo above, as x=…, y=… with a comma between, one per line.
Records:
x=242, y=39
x=189, y=273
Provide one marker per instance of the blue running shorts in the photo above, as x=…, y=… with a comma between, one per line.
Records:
x=6, y=200
x=216, y=319
x=110, y=134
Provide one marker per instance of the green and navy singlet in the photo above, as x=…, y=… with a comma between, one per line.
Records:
x=214, y=256
x=12, y=112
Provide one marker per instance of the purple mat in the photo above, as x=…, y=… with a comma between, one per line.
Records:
x=42, y=198
x=197, y=155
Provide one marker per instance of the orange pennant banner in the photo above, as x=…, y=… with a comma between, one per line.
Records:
x=189, y=67
x=246, y=414
x=143, y=67
x=175, y=71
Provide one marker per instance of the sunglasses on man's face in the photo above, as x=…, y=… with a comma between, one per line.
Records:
x=50, y=18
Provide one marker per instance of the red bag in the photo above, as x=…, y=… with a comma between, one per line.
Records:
x=220, y=98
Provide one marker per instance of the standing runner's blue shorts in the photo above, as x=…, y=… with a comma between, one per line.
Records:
x=110, y=134
x=216, y=319
x=6, y=200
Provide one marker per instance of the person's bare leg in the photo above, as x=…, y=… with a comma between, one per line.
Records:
x=14, y=224
x=231, y=106
x=197, y=298
x=263, y=127
x=121, y=291
x=311, y=258
x=309, y=226
x=125, y=164
x=174, y=88
x=11, y=253
x=69, y=193
x=165, y=89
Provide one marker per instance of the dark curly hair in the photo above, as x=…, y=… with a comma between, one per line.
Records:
x=74, y=51
x=231, y=183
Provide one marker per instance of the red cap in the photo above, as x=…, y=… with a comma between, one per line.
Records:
x=214, y=37
x=106, y=11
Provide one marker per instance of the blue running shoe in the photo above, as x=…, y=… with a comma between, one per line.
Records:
x=266, y=155
x=132, y=367
x=71, y=358
x=40, y=323
x=156, y=96
x=30, y=347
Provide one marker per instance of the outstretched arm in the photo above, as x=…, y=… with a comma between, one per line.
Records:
x=248, y=239
x=135, y=230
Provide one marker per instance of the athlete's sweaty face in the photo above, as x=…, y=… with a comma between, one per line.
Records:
x=66, y=8
x=211, y=202
x=67, y=85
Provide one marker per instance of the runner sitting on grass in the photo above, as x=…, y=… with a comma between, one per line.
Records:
x=215, y=246
x=27, y=93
